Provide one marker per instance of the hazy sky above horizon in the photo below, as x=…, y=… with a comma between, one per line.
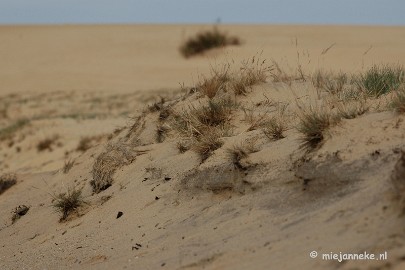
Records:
x=377, y=12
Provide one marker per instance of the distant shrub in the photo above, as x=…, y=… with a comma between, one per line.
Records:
x=8, y=132
x=207, y=40
x=7, y=181
x=380, y=80
x=47, y=143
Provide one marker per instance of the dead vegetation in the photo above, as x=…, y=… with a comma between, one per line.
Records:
x=115, y=156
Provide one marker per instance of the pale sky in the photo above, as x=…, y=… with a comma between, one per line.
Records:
x=377, y=12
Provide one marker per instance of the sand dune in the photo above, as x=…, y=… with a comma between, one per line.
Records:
x=128, y=58
x=107, y=100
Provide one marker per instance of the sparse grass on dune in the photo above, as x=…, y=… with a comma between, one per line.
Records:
x=253, y=71
x=210, y=86
x=68, y=202
x=380, y=79
x=8, y=132
x=207, y=40
x=352, y=109
x=332, y=83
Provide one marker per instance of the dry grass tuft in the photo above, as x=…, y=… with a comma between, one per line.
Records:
x=68, y=165
x=207, y=40
x=194, y=122
x=67, y=203
x=274, y=128
x=6, y=181
x=313, y=124
x=208, y=142
x=116, y=156
x=253, y=71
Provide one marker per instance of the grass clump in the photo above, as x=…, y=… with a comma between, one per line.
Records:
x=6, y=181
x=380, y=80
x=274, y=128
x=352, y=109
x=332, y=83
x=68, y=202
x=239, y=152
x=217, y=81
x=313, y=124
x=196, y=120
x=252, y=72
x=207, y=40
x=68, y=165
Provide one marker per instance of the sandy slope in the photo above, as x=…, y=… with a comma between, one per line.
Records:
x=180, y=212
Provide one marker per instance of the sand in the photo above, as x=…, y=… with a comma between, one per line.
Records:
x=63, y=84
